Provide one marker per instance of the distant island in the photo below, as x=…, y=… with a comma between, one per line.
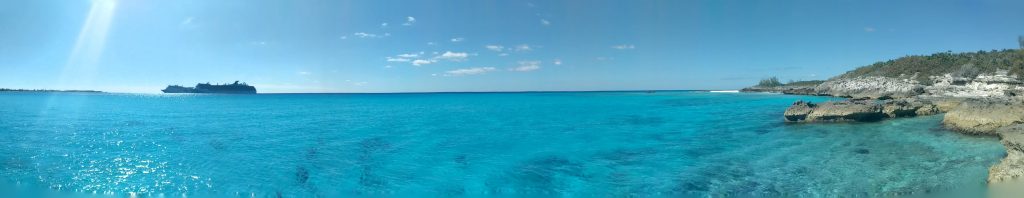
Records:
x=47, y=90
x=234, y=88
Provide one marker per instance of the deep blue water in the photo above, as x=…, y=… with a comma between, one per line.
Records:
x=587, y=143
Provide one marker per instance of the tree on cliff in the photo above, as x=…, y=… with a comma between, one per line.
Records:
x=770, y=82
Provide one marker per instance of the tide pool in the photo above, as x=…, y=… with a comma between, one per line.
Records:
x=444, y=144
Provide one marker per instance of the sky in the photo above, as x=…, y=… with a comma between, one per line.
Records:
x=141, y=46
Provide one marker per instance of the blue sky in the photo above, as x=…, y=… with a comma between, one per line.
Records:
x=475, y=45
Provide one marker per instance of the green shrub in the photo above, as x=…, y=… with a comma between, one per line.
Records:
x=969, y=64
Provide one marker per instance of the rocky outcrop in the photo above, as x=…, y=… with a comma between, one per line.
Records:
x=858, y=110
x=984, y=116
x=793, y=90
x=1012, y=166
x=908, y=108
x=839, y=111
x=874, y=87
x=798, y=111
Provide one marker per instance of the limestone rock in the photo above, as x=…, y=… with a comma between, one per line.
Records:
x=908, y=108
x=798, y=111
x=984, y=116
x=1012, y=166
x=840, y=111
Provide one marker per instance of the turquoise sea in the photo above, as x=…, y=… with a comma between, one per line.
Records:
x=448, y=144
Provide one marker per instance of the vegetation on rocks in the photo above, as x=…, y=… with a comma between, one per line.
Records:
x=967, y=65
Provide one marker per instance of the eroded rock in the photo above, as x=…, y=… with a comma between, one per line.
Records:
x=984, y=116
x=838, y=111
x=1012, y=166
x=874, y=87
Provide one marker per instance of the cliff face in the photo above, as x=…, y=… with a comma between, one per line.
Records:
x=871, y=87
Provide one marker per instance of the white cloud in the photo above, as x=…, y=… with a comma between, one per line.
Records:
x=453, y=56
x=503, y=54
x=557, y=62
x=525, y=66
x=303, y=73
x=260, y=43
x=624, y=47
x=409, y=21
x=545, y=22
x=431, y=43
x=384, y=25
x=469, y=71
x=458, y=39
x=869, y=29
x=420, y=62
x=343, y=37
x=369, y=35
x=496, y=48
x=523, y=48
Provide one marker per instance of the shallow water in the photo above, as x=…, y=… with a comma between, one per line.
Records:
x=587, y=143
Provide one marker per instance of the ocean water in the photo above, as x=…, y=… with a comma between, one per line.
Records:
x=446, y=144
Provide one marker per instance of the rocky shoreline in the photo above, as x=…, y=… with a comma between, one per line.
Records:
x=988, y=105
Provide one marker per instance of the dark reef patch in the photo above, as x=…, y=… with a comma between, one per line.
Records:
x=301, y=175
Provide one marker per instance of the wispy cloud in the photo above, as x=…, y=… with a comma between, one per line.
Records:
x=369, y=35
x=624, y=47
x=525, y=66
x=409, y=21
x=419, y=58
x=557, y=62
x=458, y=39
x=869, y=29
x=303, y=73
x=258, y=43
x=383, y=25
x=496, y=48
x=469, y=71
x=545, y=22
x=393, y=59
x=523, y=48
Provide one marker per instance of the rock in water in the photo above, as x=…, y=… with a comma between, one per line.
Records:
x=908, y=108
x=857, y=110
x=799, y=110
